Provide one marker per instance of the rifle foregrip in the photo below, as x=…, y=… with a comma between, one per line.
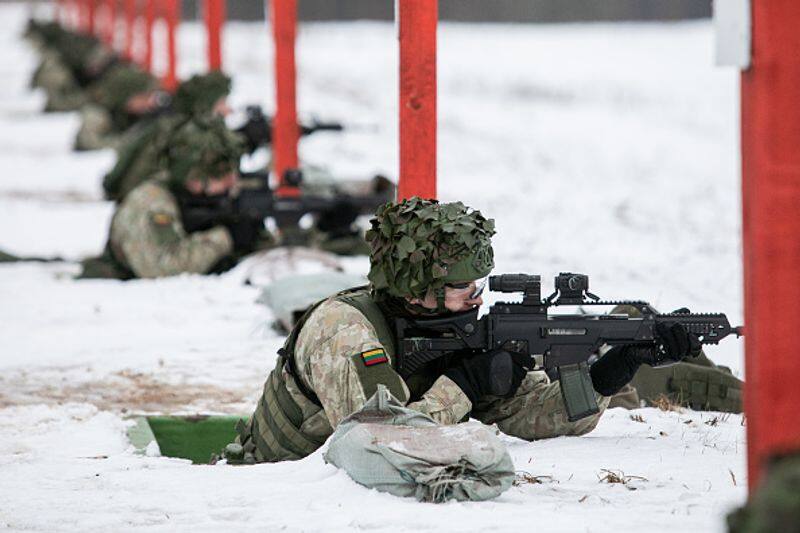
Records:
x=577, y=391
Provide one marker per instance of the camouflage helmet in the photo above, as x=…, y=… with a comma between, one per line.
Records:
x=417, y=245
x=198, y=94
x=201, y=148
x=122, y=82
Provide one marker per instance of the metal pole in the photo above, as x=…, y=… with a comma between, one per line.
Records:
x=417, y=21
x=172, y=16
x=215, y=18
x=284, y=130
x=149, y=21
x=130, y=24
x=111, y=22
x=770, y=229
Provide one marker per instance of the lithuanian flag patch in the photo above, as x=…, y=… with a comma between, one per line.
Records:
x=374, y=357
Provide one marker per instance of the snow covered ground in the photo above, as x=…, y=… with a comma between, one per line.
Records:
x=609, y=149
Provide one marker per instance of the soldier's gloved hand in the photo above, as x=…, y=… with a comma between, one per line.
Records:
x=244, y=233
x=673, y=343
x=493, y=373
x=614, y=370
x=617, y=367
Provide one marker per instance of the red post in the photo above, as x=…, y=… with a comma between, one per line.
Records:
x=130, y=24
x=149, y=21
x=284, y=129
x=417, y=21
x=771, y=225
x=111, y=22
x=172, y=14
x=215, y=18
x=91, y=8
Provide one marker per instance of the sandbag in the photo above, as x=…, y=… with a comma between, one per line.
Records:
x=393, y=449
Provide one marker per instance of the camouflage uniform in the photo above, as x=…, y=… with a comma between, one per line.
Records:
x=105, y=119
x=137, y=155
x=343, y=348
x=148, y=238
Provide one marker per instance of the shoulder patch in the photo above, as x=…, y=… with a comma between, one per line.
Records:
x=162, y=219
x=374, y=357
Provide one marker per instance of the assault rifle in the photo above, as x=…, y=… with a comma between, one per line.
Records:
x=256, y=201
x=257, y=130
x=562, y=344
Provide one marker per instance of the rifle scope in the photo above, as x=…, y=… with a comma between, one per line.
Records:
x=526, y=283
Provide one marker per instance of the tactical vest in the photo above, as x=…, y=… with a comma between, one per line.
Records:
x=273, y=433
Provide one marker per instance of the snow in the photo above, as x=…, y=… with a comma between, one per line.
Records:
x=608, y=149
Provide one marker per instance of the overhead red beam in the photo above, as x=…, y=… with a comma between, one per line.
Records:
x=215, y=19
x=770, y=229
x=417, y=20
x=284, y=128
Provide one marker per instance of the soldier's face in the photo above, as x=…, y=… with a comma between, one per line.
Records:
x=456, y=299
x=221, y=108
x=213, y=186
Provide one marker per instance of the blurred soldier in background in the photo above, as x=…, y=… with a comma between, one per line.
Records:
x=137, y=155
x=118, y=100
x=148, y=238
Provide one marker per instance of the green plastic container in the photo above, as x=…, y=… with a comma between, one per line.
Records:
x=196, y=438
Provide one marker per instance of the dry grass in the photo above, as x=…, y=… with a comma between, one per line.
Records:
x=526, y=478
x=638, y=418
x=618, y=477
x=665, y=403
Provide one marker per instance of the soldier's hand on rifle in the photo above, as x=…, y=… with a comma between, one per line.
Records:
x=492, y=373
x=617, y=367
x=673, y=343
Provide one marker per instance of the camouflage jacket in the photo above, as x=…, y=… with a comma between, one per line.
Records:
x=324, y=358
x=148, y=238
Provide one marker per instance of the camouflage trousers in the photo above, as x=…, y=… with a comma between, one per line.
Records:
x=536, y=411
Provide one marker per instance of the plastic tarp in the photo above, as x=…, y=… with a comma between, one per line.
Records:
x=393, y=449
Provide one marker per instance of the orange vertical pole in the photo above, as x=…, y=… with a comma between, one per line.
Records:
x=417, y=20
x=130, y=24
x=770, y=229
x=285, y=131
x=149, y=21
x=215, y=18
x=172, y=15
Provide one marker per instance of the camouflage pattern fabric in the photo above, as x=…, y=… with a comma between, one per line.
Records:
x=58, y=83
x=97, y=129
x=197, y=95
x=775, y=505
x=138, y=156
x=328, y=357
x=201, y=148
x=419, y=245
x=147, y=236
x=123, y=81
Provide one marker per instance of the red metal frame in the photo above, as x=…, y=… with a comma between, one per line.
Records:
x=285, y=132
x=215, y=19
x=771, y=225
x=417, y=20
